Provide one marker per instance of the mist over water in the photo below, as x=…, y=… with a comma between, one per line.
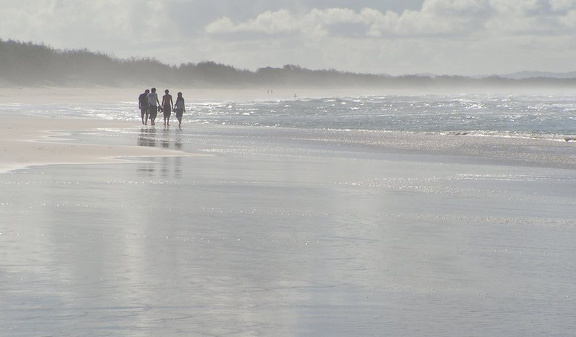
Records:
x=551, y=116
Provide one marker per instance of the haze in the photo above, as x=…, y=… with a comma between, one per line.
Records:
x=453, y=37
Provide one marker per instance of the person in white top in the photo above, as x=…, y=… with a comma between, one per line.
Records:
x=153, y=103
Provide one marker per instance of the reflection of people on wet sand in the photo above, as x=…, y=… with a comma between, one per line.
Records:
x=153, y=103
x=143, y=105
x=179, y=107
x=147, y=137
x=167, y=106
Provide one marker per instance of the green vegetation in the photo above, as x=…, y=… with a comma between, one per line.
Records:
x=29, y=64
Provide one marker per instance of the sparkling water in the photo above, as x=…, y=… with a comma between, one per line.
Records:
x=548, y=117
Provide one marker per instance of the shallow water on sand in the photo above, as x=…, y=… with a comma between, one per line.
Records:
x=285, y=238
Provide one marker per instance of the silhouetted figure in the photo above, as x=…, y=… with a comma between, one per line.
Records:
x=179, y=107
x=143, y=105
x=167, y=104
x=153, y=104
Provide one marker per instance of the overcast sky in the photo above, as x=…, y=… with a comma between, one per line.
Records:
x=463, y=37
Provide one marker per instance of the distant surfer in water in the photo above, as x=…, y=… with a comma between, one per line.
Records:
x=153, y=103
x=179, y=107
x=167, y=104
x=143, y=105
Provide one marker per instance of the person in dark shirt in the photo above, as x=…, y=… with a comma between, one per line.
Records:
x=143, y=105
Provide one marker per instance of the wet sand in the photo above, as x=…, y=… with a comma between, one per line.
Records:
x=281, y=233
x=26, y=141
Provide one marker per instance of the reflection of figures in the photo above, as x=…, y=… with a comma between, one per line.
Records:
x=153, y=103
x=151, y=137
x=147, y=137
x=143, y=105
x=165, y=141
x=179, y=107
x=167, y=106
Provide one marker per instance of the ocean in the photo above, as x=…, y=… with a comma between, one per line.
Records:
x=488, y=114
x=398, y=215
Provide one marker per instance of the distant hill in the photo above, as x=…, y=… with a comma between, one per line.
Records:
x=29, y=64
x=539, y=74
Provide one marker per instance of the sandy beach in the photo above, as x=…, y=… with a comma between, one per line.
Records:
x=28, y=142
x=112, y=228
x=25, y=141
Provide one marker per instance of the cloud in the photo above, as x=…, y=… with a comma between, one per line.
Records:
x=563, y=5
x=278, y=22
x=397, y=37
x=435, y=18
x=441, y=36
x=73, y=23
x=318, y=22
x=282, y=22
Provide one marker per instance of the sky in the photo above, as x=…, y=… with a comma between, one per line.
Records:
x=395, y=37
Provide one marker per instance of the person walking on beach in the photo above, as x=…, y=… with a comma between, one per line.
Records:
x=179, y=107
x=167, y=104
x=153, y=103
x=143, y=105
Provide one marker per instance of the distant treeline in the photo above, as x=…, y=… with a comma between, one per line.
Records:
x=29, y=64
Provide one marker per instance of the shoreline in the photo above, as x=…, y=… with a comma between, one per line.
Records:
x=26, y=142
x=425, y=147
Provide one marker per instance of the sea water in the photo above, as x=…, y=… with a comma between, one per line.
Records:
x=523, y=115
x=283, y=226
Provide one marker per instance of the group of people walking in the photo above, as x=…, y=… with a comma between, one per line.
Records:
x=150, y=106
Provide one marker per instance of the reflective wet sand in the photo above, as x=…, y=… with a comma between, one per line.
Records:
x=266, y=235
